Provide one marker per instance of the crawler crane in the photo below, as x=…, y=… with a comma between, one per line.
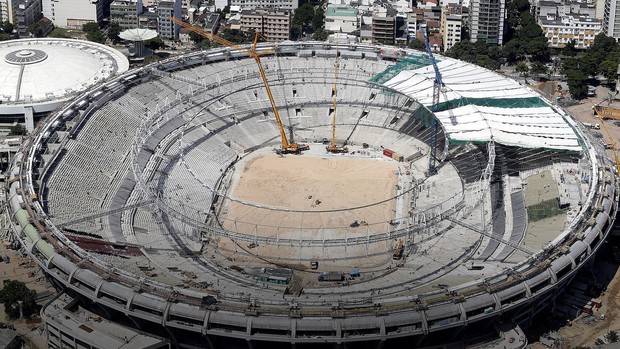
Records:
x=287, y=148
x=333, y=147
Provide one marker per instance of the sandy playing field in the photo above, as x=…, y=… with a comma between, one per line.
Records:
x=312, y=184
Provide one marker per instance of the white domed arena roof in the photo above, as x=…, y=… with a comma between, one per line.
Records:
x=43, y=72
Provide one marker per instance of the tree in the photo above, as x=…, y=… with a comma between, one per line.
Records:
x=58, y=33
x=90, y=27
x=538, y=68
x=4, y=37
x=93, y=33
x=113, y=30
x=569, y=50
x=577, y=86
x=15, y=292
x=36, y=29
x=612, y=337
x=7, y=27
x=303, y=16
x=155, y=43
x=417, y=45
x=522, y=69
x=599, y=342
x=318, y=21
x=609, y=69
x=17, y=130
x=320, y=35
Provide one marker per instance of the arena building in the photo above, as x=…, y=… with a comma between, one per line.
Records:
x=155, y=202
x=39, y=75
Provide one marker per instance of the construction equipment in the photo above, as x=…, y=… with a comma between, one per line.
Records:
x=398, y=251
x=606, y=112
x=611, y=138
x=438, y=84
x=287, y=148
x=333, y=147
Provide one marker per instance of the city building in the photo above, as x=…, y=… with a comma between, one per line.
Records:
x=561, y=30
x=412, y=26
x=75, y=13
x=383, y=28
x=273, y=25
x=486, y=20
x=451, y=25
x=25, y=13
x=254, y=4
x=5, y=14
x=611, y=18
x=125, y=13
x=341, y=19
x=168, y=8
x=209, y=22
x=148, y=18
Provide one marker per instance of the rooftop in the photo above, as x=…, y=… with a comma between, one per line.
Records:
x=341, y=11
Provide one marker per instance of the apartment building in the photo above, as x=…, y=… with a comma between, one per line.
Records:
x=559, y=31
x=611, y=18
x=125, y=13
x=263, y=4
x=341, y=19
x=383, y=28
x=25, y=13
x=274, y=25
x=486, y=20
x=75, y=13
x=166, y=29
x=451, y=25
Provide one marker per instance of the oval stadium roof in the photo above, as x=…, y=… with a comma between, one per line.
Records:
x=40, y=71
x=477, y=104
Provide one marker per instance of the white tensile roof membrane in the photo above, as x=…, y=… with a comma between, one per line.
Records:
x=477, y=104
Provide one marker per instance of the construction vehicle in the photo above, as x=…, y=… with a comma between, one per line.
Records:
x=398, y=251
x=287, y=148
x=605, y=112
x=333, y=147
x=611, y=138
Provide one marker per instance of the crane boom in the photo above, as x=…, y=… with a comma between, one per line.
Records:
x=333, y=147
x=611, y=139
x=432, y=167
x=286, y=146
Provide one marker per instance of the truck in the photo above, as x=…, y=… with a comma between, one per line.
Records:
x=331, y=276
x=592, y=126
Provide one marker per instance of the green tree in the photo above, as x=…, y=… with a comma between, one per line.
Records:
x=609, y=69
x=318, y=21
x=113, y=30
x=4, y=37
x=303, y=16
x=17, y=130
x=90, y=27
x=569, y=50
x=7, y=27
x=320, y=35
x=538, y=68
x=36, y=29
x=612, y=337
x=577, y=86
x=416, y=45
x=155, y=43
x=58, y=33
x=15, y=292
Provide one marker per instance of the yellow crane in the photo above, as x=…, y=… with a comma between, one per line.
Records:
x=333, y=147
x=611, y=139
x=287, y=147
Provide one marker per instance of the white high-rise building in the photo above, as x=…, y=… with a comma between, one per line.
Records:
x=5, y=15
x=611, y=18
x=278, y=4
x=486, y=21
x=451, y=25
x=75, y=13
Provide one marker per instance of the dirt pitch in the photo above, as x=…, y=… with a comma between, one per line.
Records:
x=312, y=184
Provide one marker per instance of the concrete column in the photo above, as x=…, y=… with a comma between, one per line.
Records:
x=29, y=116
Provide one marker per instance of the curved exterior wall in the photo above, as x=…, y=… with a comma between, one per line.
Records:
x=154, y=307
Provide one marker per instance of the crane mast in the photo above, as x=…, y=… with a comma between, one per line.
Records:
x=333, y=147
x=287, y=147
x=611, y=139
x=437, y=85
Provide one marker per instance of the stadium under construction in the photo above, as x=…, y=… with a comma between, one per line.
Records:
x=155, y=202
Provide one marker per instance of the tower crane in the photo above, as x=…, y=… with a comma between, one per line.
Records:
x=333, y=147
x=290, y=148
x=438, y=84
x=611, y=138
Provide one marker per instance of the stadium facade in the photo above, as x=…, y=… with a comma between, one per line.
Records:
x=119, y=196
